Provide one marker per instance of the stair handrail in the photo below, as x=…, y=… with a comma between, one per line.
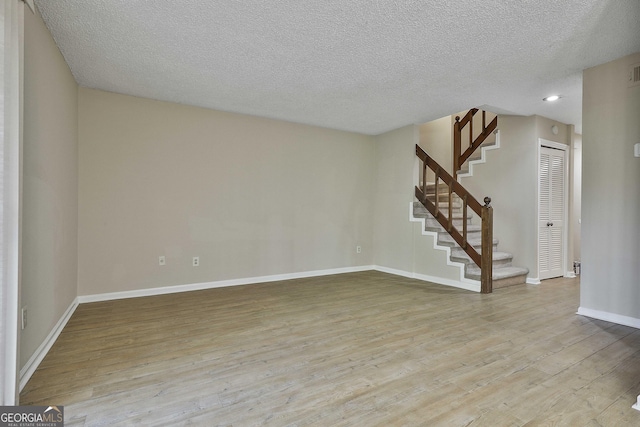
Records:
x=458, y=157
x=484, y=258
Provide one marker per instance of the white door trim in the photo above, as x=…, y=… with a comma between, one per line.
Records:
x=565, y=236
x=551, y=144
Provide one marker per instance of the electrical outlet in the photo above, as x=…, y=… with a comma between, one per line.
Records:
x=358, y=249
x=196, y=261
x=162, y=260
x=24, y=317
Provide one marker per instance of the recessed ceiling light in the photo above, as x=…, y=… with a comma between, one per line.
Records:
x=551, y=98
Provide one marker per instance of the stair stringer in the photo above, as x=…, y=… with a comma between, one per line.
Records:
x=463, y=282
x=483, y=156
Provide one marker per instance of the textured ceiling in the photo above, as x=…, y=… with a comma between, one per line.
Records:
x=367, y=66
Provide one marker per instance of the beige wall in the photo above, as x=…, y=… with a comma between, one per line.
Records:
x=436, y=138
x=249, y=196
x=543, y=130
x=509, y=177
x=399, y=244
x=50, y=180
x=610, y=190
x=393, y=234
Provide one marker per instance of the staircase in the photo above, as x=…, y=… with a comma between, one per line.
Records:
x=463, y=226
x=504, y=273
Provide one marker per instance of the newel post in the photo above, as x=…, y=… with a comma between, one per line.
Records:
x=457, y=147
x=486, y=269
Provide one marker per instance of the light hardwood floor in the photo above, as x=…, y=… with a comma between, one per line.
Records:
x=361, y=349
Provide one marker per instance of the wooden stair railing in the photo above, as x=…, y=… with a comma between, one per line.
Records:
x=458, y=157
x=484, y=258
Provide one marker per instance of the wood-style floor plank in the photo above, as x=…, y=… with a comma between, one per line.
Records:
x=361, y=349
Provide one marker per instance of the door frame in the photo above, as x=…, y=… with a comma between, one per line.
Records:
x=565, y=233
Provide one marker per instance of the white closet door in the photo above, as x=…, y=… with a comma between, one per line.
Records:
x=551, y=212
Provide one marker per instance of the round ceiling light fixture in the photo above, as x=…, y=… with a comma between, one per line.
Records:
x=551, y=98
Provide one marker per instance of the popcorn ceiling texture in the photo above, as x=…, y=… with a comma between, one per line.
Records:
x=367, y=66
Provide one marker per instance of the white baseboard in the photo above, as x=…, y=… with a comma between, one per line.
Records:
x=36, y=358
x=217, y=284
x=637, y=405
x=610, y=317
x=533, y=281
x=469, y=285
x=570, y=275
x=393, y=271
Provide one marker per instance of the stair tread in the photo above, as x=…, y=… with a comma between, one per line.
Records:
x=471, y=228
x=499, y=273
x=431, y=184
x=473, y=240
x=497, y=255
x=443, y=195
x=454, y=216
x=442, y=204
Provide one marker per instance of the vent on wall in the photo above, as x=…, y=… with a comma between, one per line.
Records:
x=634, y=75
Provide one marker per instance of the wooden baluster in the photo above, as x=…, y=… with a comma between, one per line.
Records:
x=484, y=126
x=450, y=225
x=464, y=221
x=457, y=143
x=437, y=193
x=424, y=177
x=486, y=269
x=471, y=131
